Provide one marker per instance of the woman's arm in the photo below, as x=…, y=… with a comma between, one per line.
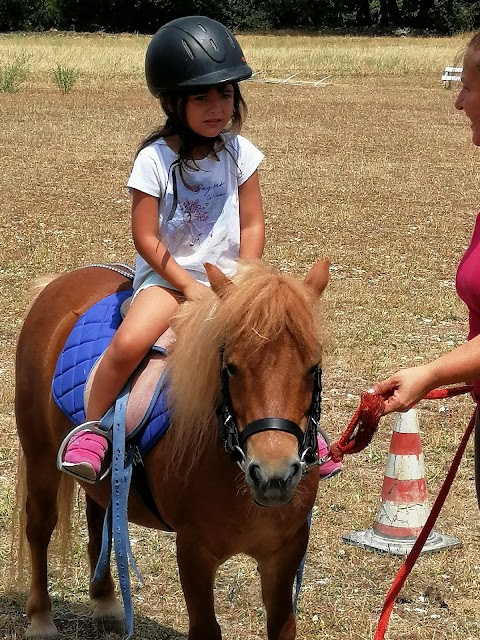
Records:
x=252, y=220
x=145, y=238
x=406, y=387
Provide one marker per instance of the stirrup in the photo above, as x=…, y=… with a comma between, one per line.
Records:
x=92, y=426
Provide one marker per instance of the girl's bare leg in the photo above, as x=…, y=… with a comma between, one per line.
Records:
x=147, y=318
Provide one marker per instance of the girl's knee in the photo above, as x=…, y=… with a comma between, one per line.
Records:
x=125, y=349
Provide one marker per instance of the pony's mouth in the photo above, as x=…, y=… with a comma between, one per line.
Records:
x=272, y=504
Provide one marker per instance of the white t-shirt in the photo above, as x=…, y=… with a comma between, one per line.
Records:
x=201, y=223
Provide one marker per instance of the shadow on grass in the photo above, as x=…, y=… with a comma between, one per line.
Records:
x=73, y=621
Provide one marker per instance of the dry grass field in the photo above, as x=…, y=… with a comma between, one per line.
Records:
x=375, y=170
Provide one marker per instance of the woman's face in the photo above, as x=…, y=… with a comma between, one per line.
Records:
x=468, y=100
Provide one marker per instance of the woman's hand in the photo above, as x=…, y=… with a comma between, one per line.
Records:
x=405, y=388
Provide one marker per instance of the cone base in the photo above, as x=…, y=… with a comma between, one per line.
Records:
x=373, y=541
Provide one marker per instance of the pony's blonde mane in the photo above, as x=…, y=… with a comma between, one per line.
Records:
x=253, y=313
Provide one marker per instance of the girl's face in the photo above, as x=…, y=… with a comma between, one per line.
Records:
x=468, y=100
x=209, y=112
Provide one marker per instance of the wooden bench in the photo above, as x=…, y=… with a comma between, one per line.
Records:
x=451, y=74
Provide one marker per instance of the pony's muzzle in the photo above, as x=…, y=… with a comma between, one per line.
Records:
x=273, y=487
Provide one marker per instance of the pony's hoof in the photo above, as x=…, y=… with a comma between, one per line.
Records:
x=109, y=617
x=41, y=628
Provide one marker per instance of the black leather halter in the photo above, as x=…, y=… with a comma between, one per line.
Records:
x=235, y=441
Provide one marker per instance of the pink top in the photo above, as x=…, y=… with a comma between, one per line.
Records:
x=468, y=289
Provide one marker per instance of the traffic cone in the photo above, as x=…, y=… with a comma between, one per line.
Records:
x=403, y=508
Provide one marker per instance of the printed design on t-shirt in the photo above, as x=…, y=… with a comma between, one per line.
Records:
x=195, y=218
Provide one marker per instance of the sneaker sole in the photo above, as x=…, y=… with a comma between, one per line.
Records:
x=332, y=474
x=81, y=469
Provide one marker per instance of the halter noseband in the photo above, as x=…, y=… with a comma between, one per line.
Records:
x=234, y=441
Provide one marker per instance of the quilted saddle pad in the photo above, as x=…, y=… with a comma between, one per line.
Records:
x=87, y=341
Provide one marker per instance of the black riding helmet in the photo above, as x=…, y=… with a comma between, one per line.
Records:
x=193, y=52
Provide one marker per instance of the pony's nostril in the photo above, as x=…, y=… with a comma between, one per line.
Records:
x=295, y=470
x=254, y=473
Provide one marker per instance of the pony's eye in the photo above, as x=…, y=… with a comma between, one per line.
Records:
x=231, y=369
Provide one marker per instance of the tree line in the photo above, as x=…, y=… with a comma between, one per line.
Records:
x=146, y=16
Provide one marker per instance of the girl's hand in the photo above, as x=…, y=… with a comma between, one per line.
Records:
x=195, y=290
x=404, y=389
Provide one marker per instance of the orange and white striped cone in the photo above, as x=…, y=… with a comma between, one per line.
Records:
x=403, y=508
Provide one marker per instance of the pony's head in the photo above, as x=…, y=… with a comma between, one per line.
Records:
x=255, y=343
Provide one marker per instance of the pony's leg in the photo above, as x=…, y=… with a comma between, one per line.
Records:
x=41, y=521
x=197, y=568
x=277, y=574
x=107, y=611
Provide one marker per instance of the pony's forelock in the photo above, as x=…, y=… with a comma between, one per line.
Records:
x=266, y=303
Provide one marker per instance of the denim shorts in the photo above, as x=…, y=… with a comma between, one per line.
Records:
x=153, y=279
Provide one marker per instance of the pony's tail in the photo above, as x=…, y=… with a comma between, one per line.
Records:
x=18, y=538
x=37, y=286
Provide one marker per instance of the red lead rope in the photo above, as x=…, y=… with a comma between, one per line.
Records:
x=361, y=428
x=410, y=560
x=364, y=423
x=356, y=437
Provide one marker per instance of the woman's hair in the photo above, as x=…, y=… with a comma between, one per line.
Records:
x=474, y=42
x=474, y=45
x=174, y=105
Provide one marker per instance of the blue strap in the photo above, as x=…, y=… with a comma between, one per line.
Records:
x=116, y=523
x=103, y=561
x=300, y=570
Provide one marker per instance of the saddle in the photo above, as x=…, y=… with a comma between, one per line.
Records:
x=146, y=416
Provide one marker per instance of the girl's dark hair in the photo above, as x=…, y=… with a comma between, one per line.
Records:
x=174, y=106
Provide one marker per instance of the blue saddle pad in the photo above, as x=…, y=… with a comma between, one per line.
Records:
x=87, y=341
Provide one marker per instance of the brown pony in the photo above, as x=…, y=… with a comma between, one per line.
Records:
x=261, y=334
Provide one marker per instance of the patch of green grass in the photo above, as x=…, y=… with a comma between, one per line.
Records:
x=65, y=78
x=12, y=75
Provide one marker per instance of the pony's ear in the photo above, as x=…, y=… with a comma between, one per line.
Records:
x=318, y=276
x=218, y=280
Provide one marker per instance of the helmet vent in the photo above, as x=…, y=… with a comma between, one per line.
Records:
x=188, y=50
x=202, y=28
x=214, y=46
x=229, y=37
